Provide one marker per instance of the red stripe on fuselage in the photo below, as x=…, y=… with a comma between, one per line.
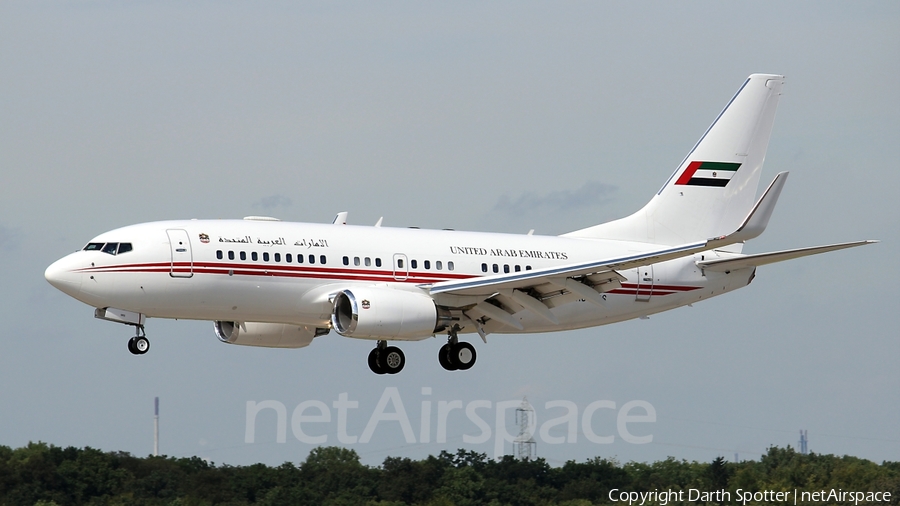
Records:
x=674, y=288
x=338, y=274
x=279, y=271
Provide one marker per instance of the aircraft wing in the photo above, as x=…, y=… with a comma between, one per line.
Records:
x=744, y=261
x=489, y=285
x=603, y=270
x=498, y=297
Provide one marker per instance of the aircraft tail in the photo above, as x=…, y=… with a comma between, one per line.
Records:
x=714, y=187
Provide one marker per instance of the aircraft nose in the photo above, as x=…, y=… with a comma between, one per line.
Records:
x=63, y=277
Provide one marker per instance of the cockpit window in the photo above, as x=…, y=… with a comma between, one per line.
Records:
x=112, y=248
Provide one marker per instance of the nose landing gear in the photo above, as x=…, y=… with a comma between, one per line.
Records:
x=139, y=344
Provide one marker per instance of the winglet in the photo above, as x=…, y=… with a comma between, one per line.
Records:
x=756, y=221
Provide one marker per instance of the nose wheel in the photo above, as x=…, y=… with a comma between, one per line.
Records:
x=386, y=359
x=139, y=344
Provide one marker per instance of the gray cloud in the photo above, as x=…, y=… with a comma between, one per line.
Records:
x=272, y=202
x=10, y=238
x=591, y=194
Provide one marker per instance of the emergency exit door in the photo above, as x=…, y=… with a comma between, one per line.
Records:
x=645, y=283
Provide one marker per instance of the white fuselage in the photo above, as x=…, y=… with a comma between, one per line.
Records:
x=282, y=272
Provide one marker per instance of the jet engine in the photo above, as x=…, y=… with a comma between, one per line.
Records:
x=269, y=335
x=384, y=313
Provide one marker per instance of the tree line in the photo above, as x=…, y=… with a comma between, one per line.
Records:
x=42, y=474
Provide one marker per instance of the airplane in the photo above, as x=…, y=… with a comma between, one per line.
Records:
x=266, y=282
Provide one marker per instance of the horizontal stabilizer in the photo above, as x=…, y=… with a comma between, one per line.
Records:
x=745, y=261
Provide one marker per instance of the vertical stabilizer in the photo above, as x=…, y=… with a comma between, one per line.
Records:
x=715, y=186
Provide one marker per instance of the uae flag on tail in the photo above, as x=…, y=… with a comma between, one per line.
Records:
x=708, y=173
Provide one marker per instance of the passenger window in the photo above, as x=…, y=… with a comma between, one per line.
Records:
x=265, y=257
x=346, y=260
x=518, y=268
x=377, y=262
x=527, y=267
x=483, y=267
x=506, y=268
x=243, y=255
x=219, y=254
x=438, y=265
x=110, y=248
x=231, y=255
x=312, y=259
x=450, y=266
x=124, y=247
x=299, y=259
x=356, y=261
x=254, y=256
x=427, y=264
x=277, y=257
x=322, y=259
x=368, y=262
x=93, y=246
x=288, y=257
x=399, y=263
x=412, y=263
x=496, y=268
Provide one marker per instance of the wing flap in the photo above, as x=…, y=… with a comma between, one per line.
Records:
x=745, y=261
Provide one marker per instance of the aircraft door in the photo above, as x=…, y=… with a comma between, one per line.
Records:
x=644, y=283
x=182, y=265
x=401, y=267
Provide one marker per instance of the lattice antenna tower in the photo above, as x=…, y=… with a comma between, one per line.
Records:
x=156, y=427
x=525, y=445
x=804, y=450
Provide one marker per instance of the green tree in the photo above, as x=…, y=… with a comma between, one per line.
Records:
x=591, y=480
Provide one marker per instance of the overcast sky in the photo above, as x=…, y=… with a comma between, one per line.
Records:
x=497, y=117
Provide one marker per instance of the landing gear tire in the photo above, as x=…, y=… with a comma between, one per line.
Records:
x=462, y=355
x=392, y=360
x=138, y=345
x=386, y=360
x=444, y=358
x=374, y=362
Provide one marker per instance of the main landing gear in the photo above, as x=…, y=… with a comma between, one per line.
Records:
x=139, y=344
x=456, y=355
x=386, y=359
x=453, y=356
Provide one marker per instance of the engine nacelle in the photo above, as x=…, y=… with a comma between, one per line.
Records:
x=368, y=312
x=269, y=335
